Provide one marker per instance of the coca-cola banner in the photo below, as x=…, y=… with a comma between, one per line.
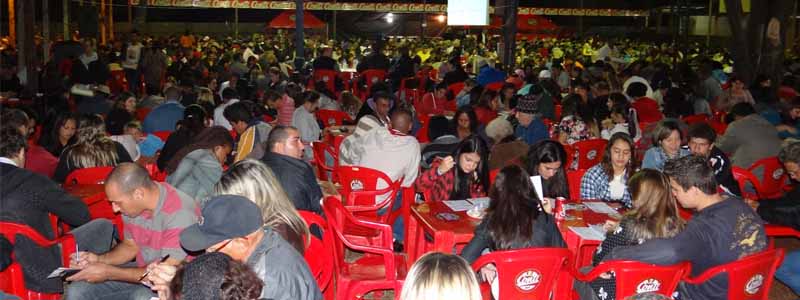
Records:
x=398, y=7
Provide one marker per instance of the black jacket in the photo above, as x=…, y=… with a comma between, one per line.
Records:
x=373, y=61
x=545, y=234
x=297, y=179
x=28, y=198
x=784, y=211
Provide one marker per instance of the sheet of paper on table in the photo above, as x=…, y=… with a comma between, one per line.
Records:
x=537, y=185
x=482, y=200
x=601, y=208
x=590, y=233
x=458, y=205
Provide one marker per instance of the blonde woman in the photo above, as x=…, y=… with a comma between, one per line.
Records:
x=654, y=215
x=253, y=180
x=92, y=148
x=439, y=276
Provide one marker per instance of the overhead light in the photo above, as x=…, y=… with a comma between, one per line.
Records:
x=389, y=18
x=441, y=18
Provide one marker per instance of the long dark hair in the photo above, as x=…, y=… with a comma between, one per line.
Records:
x=207, y=139
x=513, y=209
x=549, y=151
x=463, y=181
x=194, y=119
x=50, y=140
x=606, y=162
x=473, y=119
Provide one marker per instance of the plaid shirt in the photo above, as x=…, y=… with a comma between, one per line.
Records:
x=594, y=185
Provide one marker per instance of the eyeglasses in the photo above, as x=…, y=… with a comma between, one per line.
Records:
x=221, y=246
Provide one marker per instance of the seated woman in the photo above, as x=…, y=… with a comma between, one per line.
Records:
x=121, y=113
x=486, y=110
x=195, y=119
x=59, y=134
x=463, y=175
x=92, y=148
x=667, y=140
x=437, y=276
x=465, y=123
x=622, y=118
x=197, y=167
x=253, y=180
x=516, y=218
x=547, y=159
x=654, y=215
x=572, y=128
x=606, y=181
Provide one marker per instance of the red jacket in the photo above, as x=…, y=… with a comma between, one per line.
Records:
x=647, y=110
x=39, y=161
x=485, y=115
x=431, y=105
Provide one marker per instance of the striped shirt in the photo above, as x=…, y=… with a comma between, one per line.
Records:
x=157, y=233
x=285, y=110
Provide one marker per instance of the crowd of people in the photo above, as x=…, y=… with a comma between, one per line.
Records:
x=231, y=125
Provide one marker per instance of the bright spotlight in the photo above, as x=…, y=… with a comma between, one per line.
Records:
x=441, y=18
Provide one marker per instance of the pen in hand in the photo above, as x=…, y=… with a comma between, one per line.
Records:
x=163, y=259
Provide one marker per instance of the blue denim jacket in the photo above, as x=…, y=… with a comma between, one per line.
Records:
x=655, y=157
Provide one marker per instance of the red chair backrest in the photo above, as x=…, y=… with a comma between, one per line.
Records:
x=319, y=253
x=96, y=175
x=557, y=112
x=718, y=127
x=142, y=113
x=749, y=278
x=695, y=119
x=742, y=176
x=574, y=181
x=495, y=86
x=340, y=219
x=493, y=175
x=411, y=89
x=155, y=173
x=372, y=76
x=526, y=273
x=338, y=117
x=320, y=148
x=774, y=178
x=360, y=188
x=11, y=279
x=455, y=88
x=590, y=152
x=327, y=76
x=635, y=277
x=163, y=135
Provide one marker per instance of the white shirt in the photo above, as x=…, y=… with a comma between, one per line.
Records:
x=219, y=118
x=617, y=188
x=6, y=160
x=306, y=123
x=635, y=78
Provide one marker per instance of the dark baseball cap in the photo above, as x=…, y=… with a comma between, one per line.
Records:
x=224, y=217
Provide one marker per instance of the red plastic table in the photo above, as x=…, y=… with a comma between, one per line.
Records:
x=445, y=234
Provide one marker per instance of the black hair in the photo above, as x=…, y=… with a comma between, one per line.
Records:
x=229, y=93
x=741, y=109
x=12, y=142
x=549, y=151
x=14, y=118
x=513, y=210
x=237, y=112
x=438, y=126
x=636, y=90
x=692, y=171
x=463, y=181
x=278, y=135
x=194, y=119
x=702, y=130
x=473, y=119
x=49, y=140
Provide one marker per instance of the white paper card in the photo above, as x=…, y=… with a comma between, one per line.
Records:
x=60, y=272
x=537, y=185
x=588, y=233
x=601, y=208
x=484, y=201
x=458, y=205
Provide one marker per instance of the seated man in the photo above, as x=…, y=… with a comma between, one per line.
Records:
x=531, y=129
x=443, y=141
x=281, y=268
x=285, y=157
x=28, y=198
x=154, y=213
x=722, y=230
x=701, y=142
x=251, y=130
x=164, y=116
x=786, y=211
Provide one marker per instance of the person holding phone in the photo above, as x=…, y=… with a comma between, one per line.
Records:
x=463, y=175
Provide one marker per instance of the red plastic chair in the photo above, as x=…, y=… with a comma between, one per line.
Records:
x=380, y=269
x=526, y=273
x=319, y=254
x=495, y=86
x=338, y=117
x=742, y=177
x=455, y=88
x=493, y=175
x=11, y=279
x=557, y=112
x=749, y=278
x=155, y=173
x=689, y=120
x=635, y=277
x=359, y=189
x=142, y=113
x=590, y=152
x=163, y=135
x=411, y=88
x=327, y=76
x=371, y=77
x=774, y=180
x=574, y=181
x=96, y=175
x=319, y=149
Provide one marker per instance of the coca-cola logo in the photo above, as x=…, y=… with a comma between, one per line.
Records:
x=754, y=284
x=528, y=280
x=592, y=154
x=648, y=286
